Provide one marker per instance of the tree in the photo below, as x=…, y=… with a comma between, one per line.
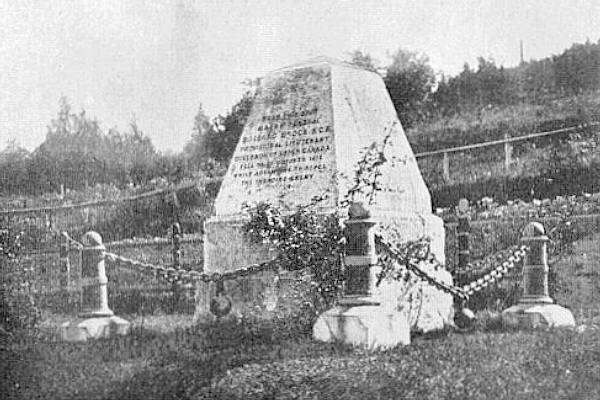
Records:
x=363, y=60
x=475, y=89
x=409, y=80
x=196, y=150
x=222, y=141
x=578, y=68
x=77, y=152
x=142, y=154
x=13, y=167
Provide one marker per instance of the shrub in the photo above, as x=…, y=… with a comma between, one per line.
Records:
x=17, y=306
x=303, y=239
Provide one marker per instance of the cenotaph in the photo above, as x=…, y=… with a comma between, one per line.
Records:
x=307, y=130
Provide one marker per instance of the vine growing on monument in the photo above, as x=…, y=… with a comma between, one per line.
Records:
x=368, y=171
x=314, y=241
x=303, y=240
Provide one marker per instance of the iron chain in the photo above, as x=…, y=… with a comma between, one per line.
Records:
x=173, y=274
x=463, y=293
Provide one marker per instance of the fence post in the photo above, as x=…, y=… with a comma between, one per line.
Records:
x=463, y=235
x=507, y=153
x=94, y=297
x=48, y=220
x=65, y=264
x=176, y=245
x=535, y=308
x=176, y=286
x=446, y=167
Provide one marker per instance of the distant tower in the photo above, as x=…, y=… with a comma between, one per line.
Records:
x=521, y=48
x=521, y=73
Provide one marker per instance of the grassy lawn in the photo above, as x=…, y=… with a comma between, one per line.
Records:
x=165, y=358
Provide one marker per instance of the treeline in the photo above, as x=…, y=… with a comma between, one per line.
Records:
x=573, y=72
x=78, y=153
x=418, y=96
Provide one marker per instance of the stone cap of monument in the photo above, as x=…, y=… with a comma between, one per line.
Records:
x=320, y=60
x=308, y=128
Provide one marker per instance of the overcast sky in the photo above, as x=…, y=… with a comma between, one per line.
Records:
x=158, y=60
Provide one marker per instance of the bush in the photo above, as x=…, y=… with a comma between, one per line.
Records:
x=556, y=182
x=303, y=240
x=17, y=305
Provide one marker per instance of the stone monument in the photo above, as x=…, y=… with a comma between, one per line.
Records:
x=307, y=130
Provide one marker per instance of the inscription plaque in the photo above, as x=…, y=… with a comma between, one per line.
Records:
x=286, y=150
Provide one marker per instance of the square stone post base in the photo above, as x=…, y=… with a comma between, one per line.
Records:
x=537, y=315
x=371, y=326
x=83, y=329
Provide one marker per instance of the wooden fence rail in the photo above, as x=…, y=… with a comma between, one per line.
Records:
x=49, y=210
x=506, y=142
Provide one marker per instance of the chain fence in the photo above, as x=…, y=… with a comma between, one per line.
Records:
x=507, y=261
x=167, y=272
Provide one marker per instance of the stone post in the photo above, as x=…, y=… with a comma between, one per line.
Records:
x=94, y=296
x=176, y=286
x=507, y=153
x=95, y=318
x=176, y=245
x=463, y=236
x=358, y=317
x=536, y=308
x=360, y=261
x=446, y=167
x=65, y=264
x=535, y=268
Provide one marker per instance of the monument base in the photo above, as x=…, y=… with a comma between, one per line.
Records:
x=370, y=326
x=81, y=330
x=540, y=315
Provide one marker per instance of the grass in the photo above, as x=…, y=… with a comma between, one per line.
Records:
x=234, y=362
x=485, y=166
x=493, y=122
x=130, y=292
x=167, y=359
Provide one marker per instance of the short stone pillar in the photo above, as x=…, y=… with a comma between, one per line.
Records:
x=95, y=318
x=360, y=263
x=94, y=296
x=463, y=236
x=65, y=264
x=358, y=318
x=176, y=245
x=535, y=307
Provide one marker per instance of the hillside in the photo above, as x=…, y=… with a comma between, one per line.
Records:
x=545, y=167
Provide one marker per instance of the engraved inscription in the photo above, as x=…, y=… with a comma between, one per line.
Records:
x=284, y=149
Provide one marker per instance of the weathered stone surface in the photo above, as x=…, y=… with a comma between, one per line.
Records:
x=226, y=248
x=303, y=138
x=262, y=295
x=308, y=128
x=81, y=330
x=531, y=316
x=373, y=327
x=427, y=308
x=306, y=133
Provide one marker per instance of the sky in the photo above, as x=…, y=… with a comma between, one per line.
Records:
x=157, y=61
